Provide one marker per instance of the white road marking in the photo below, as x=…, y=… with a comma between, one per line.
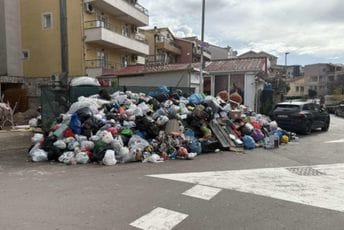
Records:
x=202, y=192
x=335, y=141
x=324, y=189
x=159, y=219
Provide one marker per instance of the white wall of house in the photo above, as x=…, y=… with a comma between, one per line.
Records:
x=170, y=79
x=250, y=90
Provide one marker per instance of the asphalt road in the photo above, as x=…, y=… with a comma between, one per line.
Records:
x=55, y=196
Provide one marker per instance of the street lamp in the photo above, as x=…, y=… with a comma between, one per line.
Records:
x=286, y=63
x=155, y=36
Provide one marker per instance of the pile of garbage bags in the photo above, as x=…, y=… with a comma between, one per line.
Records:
x=129, y=127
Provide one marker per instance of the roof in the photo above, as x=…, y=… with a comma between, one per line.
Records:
x=237, y=65
x=141, y=69
x=257, y=54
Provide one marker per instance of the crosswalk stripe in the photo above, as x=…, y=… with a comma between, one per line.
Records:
x=202, y=192
x=159, y=219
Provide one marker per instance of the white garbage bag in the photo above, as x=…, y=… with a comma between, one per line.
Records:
x=60, y=144
x=82, y=158
x=38, y=155
x=67, y=157
x=109, y=158
x=37, y=137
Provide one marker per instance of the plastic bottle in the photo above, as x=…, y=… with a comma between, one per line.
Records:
x=276, y=140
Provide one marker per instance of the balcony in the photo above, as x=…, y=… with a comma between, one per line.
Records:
x=101, y=67
x=102, y=33
x=169, y=46
x=126, y=10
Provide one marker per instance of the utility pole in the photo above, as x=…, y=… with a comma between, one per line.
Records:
x=286, y=63
x=202, y=44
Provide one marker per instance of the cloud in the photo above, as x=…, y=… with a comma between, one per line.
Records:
x=307, y=27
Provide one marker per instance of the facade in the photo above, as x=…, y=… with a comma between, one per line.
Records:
x=172, y=75
x=162, y=46
x=11, y=68
x=294, y=71
x=320, y=77
x=218, y=53
x=297, y=87
x=101, y=36
x=196, y=50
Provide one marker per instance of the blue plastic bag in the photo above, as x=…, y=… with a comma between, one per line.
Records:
x=75, y=123
x=249, y=142
x=195, y=99
x=164, y=89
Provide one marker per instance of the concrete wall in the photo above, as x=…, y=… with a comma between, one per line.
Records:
x=3, y=51
x=170, y=79
x=10, y=38
x=218, y=52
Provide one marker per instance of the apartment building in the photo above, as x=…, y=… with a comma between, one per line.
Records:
x=11, y=69
x=297, y=87
x=81, y=37
x=218, y=53
x=162, y=46
x=319, y=77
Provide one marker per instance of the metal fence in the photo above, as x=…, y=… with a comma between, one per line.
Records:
x=56, y=101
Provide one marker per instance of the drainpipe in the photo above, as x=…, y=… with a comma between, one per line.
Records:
x=64, y=42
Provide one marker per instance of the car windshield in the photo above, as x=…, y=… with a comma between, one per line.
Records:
x=289, y=108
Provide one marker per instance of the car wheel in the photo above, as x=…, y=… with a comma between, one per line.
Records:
x=308, y=128
x=326, y=127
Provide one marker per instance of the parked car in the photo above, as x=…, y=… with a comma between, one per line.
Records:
x=301, y=116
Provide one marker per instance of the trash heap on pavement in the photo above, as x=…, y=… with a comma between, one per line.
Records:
x=128, y=127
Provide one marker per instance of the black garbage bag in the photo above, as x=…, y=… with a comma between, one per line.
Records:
x=84, y=114
x=53, y=152
x=99, y=151
x=161, y=97
x=104, y=94
x=155, y=103
x=209, y=146
x=90, y=126
x=147, y=125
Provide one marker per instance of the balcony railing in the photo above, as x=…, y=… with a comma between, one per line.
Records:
x=142, y=9
x=121, y=31
x=103, y=63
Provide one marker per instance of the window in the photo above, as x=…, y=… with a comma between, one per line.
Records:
x=314, y=78
x=25, y=54
x=302, y=89
x=47, y=21
x=297, y=89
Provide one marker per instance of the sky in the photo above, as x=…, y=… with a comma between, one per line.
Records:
x=312, y=31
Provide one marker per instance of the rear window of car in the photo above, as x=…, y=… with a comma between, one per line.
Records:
x=289, y=108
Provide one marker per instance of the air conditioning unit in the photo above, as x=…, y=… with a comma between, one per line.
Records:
x=89, y=8
x=55, y=78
